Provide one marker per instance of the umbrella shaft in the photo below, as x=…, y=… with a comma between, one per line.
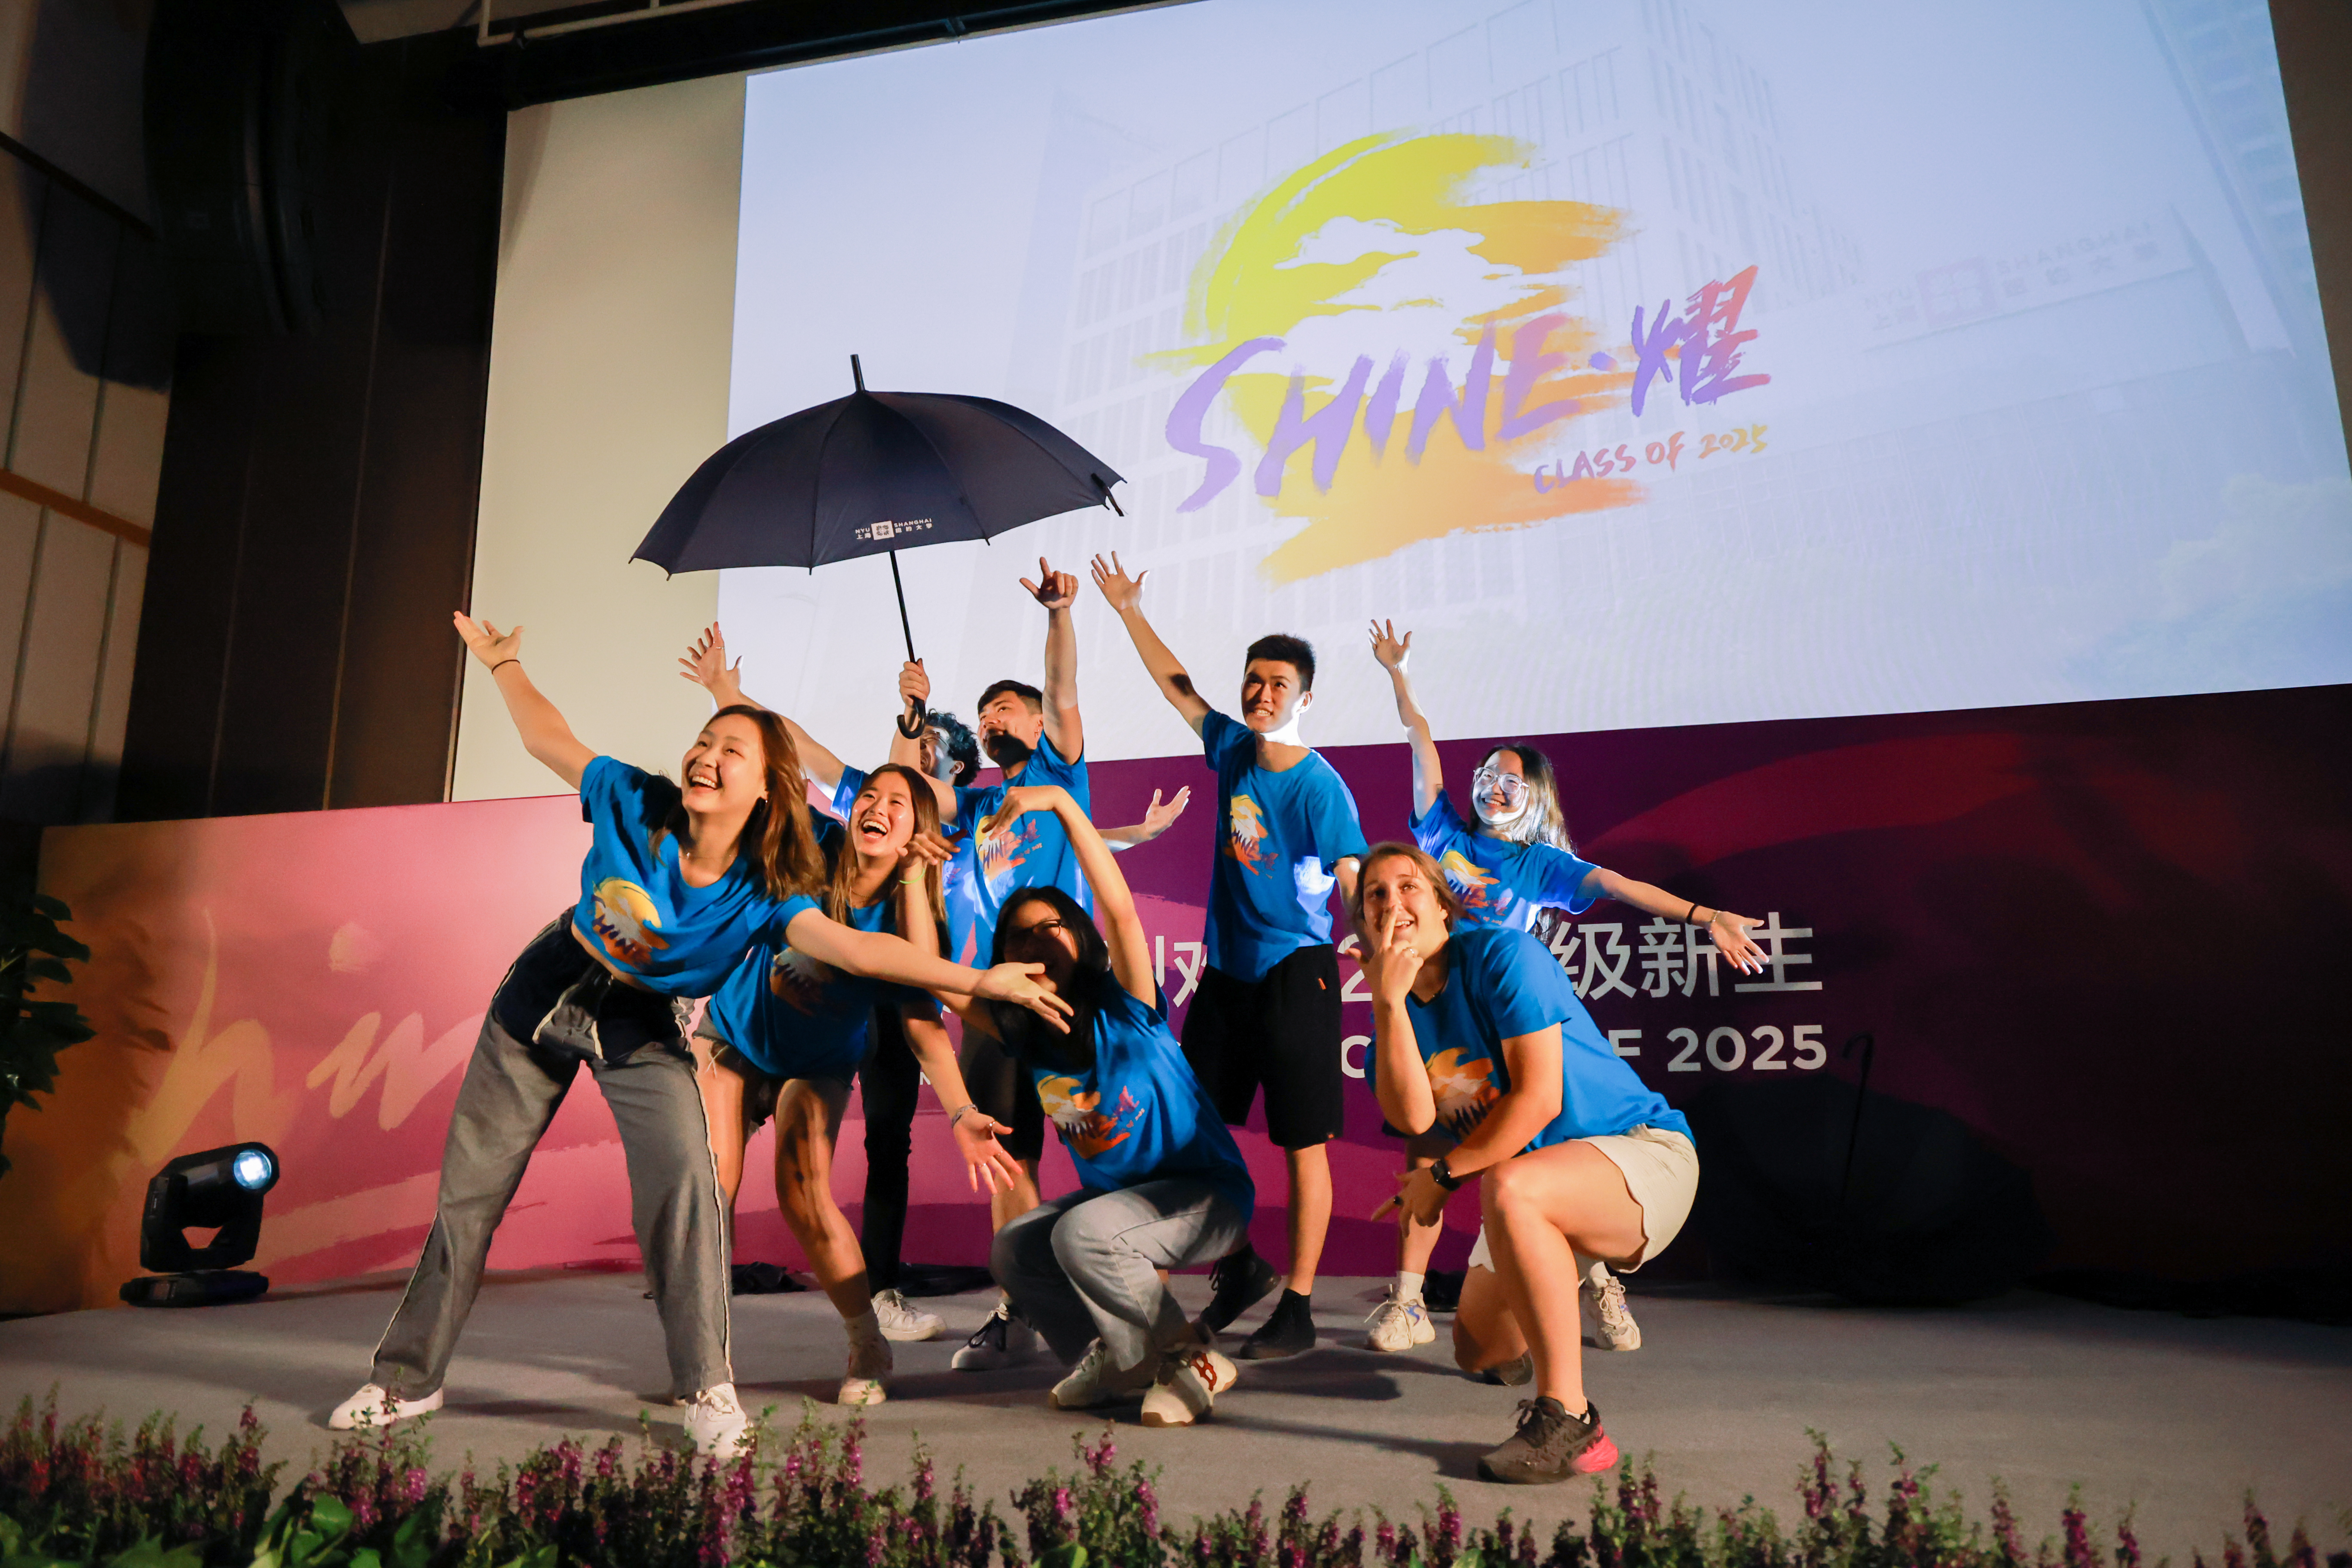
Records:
x=904, y=624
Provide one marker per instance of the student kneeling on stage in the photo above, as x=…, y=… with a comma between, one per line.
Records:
x=1162, y=1185
x=1477, y=1031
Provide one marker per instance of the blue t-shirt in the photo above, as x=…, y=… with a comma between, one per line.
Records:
x=795, y=1017
x=1139, y=1114
x=1501, y=984
x=635, y=906
x=1031, y=853
x=1278, y=835
x=1498, y=882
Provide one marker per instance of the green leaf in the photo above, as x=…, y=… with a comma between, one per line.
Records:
x=1071, y=1556
x=56, y=909
x=48, y=969
x=150, y=1554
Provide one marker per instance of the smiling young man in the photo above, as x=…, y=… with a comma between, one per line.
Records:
x=1267, y=1010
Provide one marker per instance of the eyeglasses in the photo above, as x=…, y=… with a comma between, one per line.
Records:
x=1039, y=932
x=1512, y=787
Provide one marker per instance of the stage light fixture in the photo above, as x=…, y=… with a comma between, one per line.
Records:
x=220, y=1188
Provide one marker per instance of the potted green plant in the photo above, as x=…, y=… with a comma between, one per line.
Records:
x=32, y=948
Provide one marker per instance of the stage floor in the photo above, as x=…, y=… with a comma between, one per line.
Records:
x=2180, y=1417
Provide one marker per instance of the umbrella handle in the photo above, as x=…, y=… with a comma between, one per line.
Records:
x=914, y=721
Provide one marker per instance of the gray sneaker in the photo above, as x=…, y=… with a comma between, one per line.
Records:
x=1002, y=1340
x=1607, y=1323
x=1550, y=1446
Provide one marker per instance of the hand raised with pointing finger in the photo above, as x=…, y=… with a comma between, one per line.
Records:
x=1053, y=589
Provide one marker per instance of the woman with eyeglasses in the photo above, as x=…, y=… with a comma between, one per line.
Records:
x=1161, y=1185
x=1514, y=863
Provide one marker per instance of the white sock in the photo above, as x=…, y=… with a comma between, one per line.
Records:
x=865, y=1326
x=1408, y=1285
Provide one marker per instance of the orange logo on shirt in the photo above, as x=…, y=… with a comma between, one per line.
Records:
x=1078, y=1116
x=1246, y=835
x=627, y=921
x=799, y=980
x=1464, y=1088
x=1471, y=880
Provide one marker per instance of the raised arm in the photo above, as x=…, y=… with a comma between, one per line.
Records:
x=906, y=750
x=1125, y=594
x=1428, y=775
x=705, y=664
x=544, y=733
x=1122, y=928
x=1157, y=819
x=1055, y=590
x=1728, y=932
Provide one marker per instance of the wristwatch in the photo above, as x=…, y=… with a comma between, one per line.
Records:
x=1443, y=1175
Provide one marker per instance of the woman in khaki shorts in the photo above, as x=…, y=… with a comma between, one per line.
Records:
x=1477, y=1034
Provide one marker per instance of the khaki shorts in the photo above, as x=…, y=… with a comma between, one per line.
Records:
x=1661, y=1170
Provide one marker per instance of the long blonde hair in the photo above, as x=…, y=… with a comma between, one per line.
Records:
x=844, y=878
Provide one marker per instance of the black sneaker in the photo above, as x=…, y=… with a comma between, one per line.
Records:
x=1288, y=1329
x=1004, y=1340
x=1240, y=1281
x=1550, y=1446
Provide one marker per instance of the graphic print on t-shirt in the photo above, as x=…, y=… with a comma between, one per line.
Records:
x=1003, y=852
x=1079, y=1116
x=1464, y=1088
x=627, y=921
x=1245, y=840
x=1472, y=883
x=799, y=980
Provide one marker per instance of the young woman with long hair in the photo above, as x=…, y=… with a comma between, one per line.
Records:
x=1515, y=863
x=788, y=1031
x=1161, y=1185
x=1478, y=1037
x=680, y=879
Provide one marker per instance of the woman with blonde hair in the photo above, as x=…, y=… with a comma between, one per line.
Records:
x=788, y=1030
x=1478, y=1037
x=1516, y=862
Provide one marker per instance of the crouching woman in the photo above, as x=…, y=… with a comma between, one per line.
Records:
x=1477, y=1034
x=1161, y=1185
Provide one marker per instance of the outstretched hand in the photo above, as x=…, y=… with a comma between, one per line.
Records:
x=985, y=1158
x=1053, y=589
x=489, y=645
x=1731, y=934
x=706, y=664
x=1387, y=647
x=1020, y=800
x=1119, y=591
x=1158, y=818
x=1018, y=982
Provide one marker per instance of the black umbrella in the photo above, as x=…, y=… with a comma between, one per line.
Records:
x=870, y=474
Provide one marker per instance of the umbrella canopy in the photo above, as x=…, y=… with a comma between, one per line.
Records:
x=872, y=472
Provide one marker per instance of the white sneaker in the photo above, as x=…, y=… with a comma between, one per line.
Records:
x=1001, y=1341
x=375, y=1407
x=870, y=1363
x=1601, y=1296
x=716, y=1424
x=1190, y=1378
x=1095, y=1381
x=904, y=1323
x=1398, y=1324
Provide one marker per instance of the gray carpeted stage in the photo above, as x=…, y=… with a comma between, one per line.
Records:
x=2179, y=1417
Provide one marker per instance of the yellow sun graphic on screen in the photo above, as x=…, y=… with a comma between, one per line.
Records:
x=1396, y=346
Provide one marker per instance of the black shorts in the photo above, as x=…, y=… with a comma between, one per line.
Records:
x=1001, y=1088
x=1283, y=1032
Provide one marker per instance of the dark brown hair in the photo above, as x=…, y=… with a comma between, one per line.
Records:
x=781, y=839
x=844, y=864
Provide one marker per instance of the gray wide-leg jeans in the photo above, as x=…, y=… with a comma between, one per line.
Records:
x=1083, y=1266
x=510, y=1094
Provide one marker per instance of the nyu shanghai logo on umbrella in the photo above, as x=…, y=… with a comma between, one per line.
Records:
x=880, y=532
x=1361, y=281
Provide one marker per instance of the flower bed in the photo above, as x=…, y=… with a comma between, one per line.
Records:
x=80, y=1493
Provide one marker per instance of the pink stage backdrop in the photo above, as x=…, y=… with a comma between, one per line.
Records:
x=2098, y=935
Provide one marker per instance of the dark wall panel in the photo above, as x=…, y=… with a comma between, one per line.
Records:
x=315, y=525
